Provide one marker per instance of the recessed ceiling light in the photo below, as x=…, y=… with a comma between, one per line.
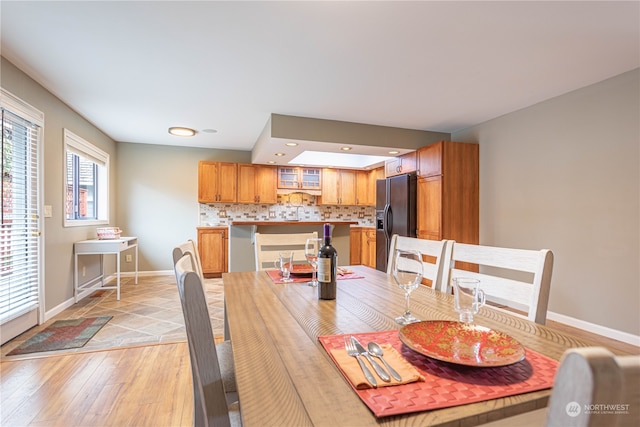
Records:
x=345, y=148
x=180, y=131
x=394, y=152
x=271, y=162
x=279, y=154
x=291, y=144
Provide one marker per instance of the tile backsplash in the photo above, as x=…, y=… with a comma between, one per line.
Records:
x=290, y=206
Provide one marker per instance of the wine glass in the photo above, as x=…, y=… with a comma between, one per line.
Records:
x=311, y=249
x=407, y=272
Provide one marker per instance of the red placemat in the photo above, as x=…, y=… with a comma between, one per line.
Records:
x=447, y=384
x=277, y=277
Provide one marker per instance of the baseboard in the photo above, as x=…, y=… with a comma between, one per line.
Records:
x=595, y=329
x=58, y=309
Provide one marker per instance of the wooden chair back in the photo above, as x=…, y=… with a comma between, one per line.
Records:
x=267, y=247
x=515, y=278
x=432, y=257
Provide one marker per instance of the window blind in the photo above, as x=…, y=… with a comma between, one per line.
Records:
x=19, y=233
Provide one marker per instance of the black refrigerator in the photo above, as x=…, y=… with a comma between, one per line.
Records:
x=395, y=213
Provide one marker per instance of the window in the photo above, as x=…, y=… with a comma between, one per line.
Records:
x=86, y=182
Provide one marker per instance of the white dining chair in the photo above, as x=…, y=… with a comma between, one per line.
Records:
x=588, y=379
x=189, y=247
x=214, y=403
x=267, y=247
x=519, y=279
x=432, y=251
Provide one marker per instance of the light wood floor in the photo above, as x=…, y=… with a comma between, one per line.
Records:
x=136, y=386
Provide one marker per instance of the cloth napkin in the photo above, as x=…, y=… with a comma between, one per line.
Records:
x=349, y=365
x=345, y=273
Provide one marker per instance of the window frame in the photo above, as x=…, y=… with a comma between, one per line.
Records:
x=77, y=145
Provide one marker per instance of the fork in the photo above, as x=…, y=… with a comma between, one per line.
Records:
x=350, y=347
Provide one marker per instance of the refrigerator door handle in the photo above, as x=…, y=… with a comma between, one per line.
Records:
x=388, y=216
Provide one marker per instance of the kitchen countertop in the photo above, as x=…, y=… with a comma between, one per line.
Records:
x=261, y=223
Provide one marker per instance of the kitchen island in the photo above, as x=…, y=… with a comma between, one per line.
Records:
x=241, y=238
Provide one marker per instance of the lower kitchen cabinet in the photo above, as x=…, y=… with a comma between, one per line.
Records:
x=213, y=248
x=363, y=246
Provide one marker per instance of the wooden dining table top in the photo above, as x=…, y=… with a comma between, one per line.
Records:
x=286, y=378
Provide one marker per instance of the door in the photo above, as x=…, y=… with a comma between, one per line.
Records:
x=399, y=200
x=20, y=248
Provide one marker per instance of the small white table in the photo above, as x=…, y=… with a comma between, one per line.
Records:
x=101, y=247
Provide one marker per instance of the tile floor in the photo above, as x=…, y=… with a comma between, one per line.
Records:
x=147, y=313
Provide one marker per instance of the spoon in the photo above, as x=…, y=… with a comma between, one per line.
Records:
x=377, y=351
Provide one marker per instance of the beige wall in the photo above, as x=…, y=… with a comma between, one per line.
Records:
x=564, y=174
x=158, y=197
x=58, y=240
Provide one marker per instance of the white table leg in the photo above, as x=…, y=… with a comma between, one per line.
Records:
x=118, y=276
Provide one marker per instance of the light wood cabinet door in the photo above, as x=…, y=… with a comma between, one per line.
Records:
x=430, y=159
x=369, y=247
x=355, y=246
x=429, y=203
x=217, y=182
x=257, y=184
x=401, y=164
x=338, y=187
x=213, y=250
x=347, y=187
x=266, y=183
x=366, y=188
x=330, y=187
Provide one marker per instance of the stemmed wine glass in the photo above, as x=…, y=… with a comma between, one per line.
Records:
x=407, y=272
x=311, y=249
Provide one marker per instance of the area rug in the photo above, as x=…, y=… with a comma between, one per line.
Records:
x=62, y=335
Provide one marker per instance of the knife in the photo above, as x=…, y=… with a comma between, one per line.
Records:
x=379, y=369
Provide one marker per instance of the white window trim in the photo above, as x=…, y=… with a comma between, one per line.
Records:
x=80, y=146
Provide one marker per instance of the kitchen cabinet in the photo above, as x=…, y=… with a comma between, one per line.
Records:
x=257, y=184
x=355, y=246
x=363, y=246
x=401, y=164
x=448, y=192
x=368, y=247
x=217, y=182
x=366, y=187
x=299, y=178
x=338, y=187
x=213, y=250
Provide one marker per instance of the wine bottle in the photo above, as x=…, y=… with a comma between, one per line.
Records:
x=327, y=267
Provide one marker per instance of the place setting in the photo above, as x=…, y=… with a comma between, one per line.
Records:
x=440, y=363
x=288, y=271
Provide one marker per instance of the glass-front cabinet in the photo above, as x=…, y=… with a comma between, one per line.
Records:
x=299, y=178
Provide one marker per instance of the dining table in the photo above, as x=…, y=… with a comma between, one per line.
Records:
x=282, y=334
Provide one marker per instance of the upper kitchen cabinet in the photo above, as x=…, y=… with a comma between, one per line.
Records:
x=338, y=187
x=217, y=182
x=401, y=164
x=366, y=187
x=257, y=184
x=299, y=178
x=448, y=192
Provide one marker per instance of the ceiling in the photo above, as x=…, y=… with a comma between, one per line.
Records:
x=134, y=69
